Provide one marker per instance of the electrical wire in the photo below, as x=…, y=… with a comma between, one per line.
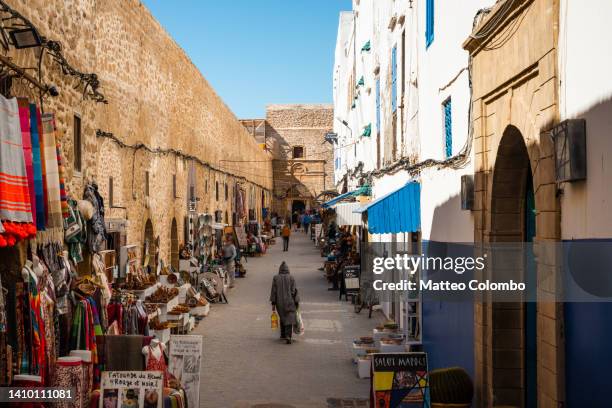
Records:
x=185, y=156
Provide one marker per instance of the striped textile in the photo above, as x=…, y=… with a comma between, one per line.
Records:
x=43, y=164
x=62, y=181
x=14, y=191
x=24, y=121
x=54, y=207
x=37, y=166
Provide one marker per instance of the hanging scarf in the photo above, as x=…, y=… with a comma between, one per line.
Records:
x=54, y=231
x=15, y=206
x=24, y=120
x=62, y=181
x=38, y=176
x=14, y=192
x=43, y=165
x=96, y=330
x=76, y=337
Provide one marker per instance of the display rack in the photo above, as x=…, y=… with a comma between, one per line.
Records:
x=128, y=256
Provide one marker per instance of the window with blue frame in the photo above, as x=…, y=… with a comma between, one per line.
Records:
x=429, y=23
x=448, y=128
x=394, y=79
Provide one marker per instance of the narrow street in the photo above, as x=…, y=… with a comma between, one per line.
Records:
x=245, y=364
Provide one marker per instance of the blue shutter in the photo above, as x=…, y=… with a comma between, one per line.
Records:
x=448, y=128
x=429, y=23
x=394, y=79
x=378, y=106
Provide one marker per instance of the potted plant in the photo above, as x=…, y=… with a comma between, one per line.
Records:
x=450, y=388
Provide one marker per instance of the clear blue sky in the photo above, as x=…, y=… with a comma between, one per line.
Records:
x=258, y=52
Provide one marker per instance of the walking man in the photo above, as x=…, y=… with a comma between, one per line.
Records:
x=286, y=233
x=229, y=258
x=285, y=300
x=306, y=221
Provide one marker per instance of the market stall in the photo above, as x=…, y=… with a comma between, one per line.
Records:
x=74, y=302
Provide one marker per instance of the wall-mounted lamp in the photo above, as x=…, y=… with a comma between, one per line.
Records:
x=569, y=138
x=25, y=38
x=467, y=192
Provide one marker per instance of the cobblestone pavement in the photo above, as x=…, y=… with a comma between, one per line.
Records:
x=245, y=364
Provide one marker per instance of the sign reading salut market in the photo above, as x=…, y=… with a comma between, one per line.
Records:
x=399, y=378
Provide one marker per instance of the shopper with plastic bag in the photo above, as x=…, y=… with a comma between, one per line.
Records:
x=285, y=300
x=298, y=328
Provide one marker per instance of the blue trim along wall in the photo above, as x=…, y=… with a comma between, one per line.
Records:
x=448, y=334
x=588, y=356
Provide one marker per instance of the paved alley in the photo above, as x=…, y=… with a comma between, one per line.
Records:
x=245, y=364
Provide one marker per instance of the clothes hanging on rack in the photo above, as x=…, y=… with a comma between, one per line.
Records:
x=15, y=204
x=54, y=231
x=97, y=234
x=37, y=167
x=14, y=191
x=75, y=234
x=37, y=346
x=24, y=122
x=157, y=363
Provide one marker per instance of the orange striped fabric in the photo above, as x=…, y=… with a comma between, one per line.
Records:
x=15, y=202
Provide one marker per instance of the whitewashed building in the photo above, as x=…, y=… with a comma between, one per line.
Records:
x=402, y=102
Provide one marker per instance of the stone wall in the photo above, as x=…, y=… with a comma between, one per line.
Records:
x=303, y=178
x=156, y=96
x=514, y=105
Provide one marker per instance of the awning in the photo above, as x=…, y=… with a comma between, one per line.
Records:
x=398, y=211
x=336, y=199
x=364, y=190
x=346, y=216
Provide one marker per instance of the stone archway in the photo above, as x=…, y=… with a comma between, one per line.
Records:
x=514, y=330
x=174, y=245
x=148, y=245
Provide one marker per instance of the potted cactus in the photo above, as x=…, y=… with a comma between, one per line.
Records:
x=450, y=388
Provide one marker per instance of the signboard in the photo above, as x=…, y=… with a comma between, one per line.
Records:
x=242, y=238
x=351, y=277
x=184, y=363
x=399, y=379
x=132, y=389
x=318, y=228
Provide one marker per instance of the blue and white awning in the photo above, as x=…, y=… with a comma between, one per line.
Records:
x=395, y=212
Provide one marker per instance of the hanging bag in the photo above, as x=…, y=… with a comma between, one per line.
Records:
x=274, y=320
x=298, y=328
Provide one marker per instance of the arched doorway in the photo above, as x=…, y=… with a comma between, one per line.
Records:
x=148, y=248
x=298, y=205
x=174, y=245
x=514, y=336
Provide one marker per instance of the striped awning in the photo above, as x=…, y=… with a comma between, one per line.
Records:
x=346, y=216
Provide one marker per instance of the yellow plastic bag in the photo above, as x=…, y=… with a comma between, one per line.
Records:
x=274, y=320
